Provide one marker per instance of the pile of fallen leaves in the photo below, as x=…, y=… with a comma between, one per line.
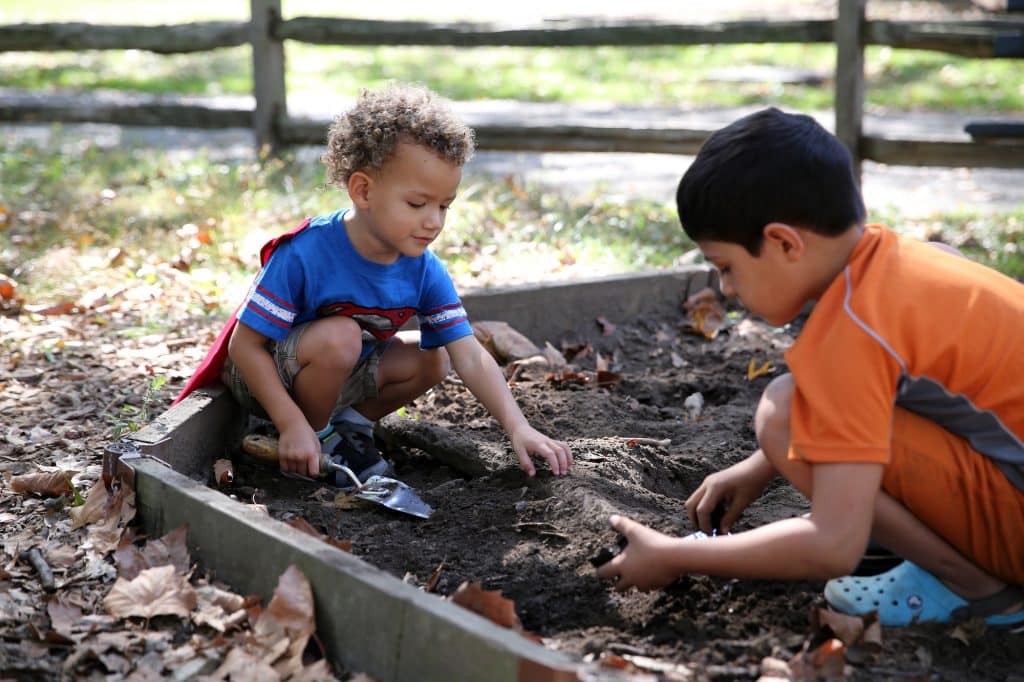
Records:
x=81, y=595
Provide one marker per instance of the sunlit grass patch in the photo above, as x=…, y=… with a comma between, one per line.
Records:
x=994, y=239
x=86, y=219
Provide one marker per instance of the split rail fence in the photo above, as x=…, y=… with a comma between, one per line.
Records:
x=991, y=144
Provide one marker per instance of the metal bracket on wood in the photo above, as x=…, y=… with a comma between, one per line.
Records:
x=117, y=463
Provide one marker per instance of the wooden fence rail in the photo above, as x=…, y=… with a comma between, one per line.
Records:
x=851, y=32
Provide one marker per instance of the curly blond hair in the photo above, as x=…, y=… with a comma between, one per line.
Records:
x=365, y=136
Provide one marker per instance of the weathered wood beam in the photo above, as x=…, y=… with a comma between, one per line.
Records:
x=990, y=39
x=335, y=31
x=165, y=39
x=849, y=82
x=133, y=114
x=1005, y=153
x=565, y=138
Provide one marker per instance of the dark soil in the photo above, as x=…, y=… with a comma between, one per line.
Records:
x=533, y=539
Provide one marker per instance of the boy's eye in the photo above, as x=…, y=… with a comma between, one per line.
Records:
x=415, y=205
x=443, y=207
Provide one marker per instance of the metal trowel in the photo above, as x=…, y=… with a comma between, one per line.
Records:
x=382, y=490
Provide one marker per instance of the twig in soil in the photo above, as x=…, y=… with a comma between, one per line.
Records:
x=35, y=558
x=656, y=442
x=540, y=528
x=532, y=524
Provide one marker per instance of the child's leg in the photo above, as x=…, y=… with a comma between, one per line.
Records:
x=894, y=526
x=326, y=352
x=405, y=372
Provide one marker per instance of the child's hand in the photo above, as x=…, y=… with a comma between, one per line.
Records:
x=528, y=441
x=299, y=451
x=721, y=497
x=644, y=561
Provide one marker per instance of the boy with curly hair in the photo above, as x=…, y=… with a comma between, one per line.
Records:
x=316, y=347
x=903, y=418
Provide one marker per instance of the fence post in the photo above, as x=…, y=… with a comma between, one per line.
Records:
x=267, y=72
x=849, y=104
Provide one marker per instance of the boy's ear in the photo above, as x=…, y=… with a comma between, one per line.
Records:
x=359, y=184
x=786, y=238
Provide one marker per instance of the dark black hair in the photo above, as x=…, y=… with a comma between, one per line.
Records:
x=767, y=167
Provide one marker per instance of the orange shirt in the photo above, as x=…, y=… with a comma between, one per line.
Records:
x=906, y=324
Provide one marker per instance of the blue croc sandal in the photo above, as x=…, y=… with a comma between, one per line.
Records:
x=908, y=594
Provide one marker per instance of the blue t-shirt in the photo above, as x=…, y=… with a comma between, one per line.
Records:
x=318, y=273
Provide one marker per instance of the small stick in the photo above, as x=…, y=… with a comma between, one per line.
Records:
x=35, y=558
x=660, y=443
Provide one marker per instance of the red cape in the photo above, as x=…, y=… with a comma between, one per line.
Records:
x=209, y=369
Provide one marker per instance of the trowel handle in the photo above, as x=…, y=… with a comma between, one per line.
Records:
x=265, y=448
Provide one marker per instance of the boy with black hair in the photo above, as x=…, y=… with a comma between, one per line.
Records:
x=316, y=347
x=903, y=418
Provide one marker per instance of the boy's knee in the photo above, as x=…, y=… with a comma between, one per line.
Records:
x=337, y=341
x=771, y=421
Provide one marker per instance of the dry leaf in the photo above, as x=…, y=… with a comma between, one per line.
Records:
x=503, y=342
x=130, y=562
x=607, y=328
x=553, y=356
x=488, y=603
x=63, y=616
x=704, y=314
x=302, y=524
x=154, y=592
x=118, y=510
x=223, y=472
x=7, y=287
x=432, y=581
x=61, y=308
x=95, y=506
x=170, y=549
x=290, y=614
x=49, y=483
x=754, y=371
x=239, y=664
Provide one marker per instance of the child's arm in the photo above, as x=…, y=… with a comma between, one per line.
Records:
x=826, y=544
x=298, y=446
x=484, y=379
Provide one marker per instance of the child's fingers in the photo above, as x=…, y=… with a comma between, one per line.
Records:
x=525, y=462
x=560, y=458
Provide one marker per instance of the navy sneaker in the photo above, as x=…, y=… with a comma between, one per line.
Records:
x=354, y=449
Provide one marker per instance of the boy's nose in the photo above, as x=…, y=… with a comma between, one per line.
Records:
x=435, y=219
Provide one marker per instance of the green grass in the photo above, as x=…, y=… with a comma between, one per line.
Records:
x=683, y=76
x=83, y=221
x=91, y=219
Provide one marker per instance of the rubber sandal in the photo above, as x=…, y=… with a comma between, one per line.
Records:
x=908, y=594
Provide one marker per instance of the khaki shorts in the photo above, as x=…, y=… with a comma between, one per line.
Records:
x=959, y=493
x=361, y=386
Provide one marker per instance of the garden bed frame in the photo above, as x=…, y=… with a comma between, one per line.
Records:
x=367, y=619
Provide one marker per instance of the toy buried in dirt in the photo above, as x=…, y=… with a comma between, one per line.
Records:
x=388, y=492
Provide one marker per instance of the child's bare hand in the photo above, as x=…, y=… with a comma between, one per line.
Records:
x=644, y=562
x=299, y=451
x=721, y=497
x=528, y=441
